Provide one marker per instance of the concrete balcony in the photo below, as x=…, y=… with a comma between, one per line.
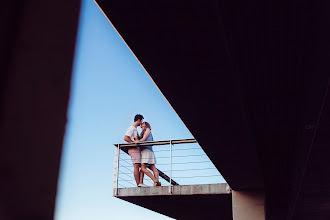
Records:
x=174, y=199
x=185, y=202
x=203, y=189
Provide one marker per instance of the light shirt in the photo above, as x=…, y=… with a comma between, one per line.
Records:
x=149, y=138
x=131, y=132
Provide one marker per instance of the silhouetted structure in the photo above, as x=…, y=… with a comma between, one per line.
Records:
x=37, y=47
x=252, y=75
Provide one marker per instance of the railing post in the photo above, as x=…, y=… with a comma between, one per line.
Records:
x=170, y=188
x=116, y=170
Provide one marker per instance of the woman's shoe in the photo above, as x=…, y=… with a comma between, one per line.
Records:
x=157, y=183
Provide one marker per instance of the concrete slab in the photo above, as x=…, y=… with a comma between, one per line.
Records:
x=205, y=201
x=204, y=189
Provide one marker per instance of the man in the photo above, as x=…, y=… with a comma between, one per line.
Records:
x=131, y=136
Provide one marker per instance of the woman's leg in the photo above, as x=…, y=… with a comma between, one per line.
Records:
x=154, y=170
x=147, y=172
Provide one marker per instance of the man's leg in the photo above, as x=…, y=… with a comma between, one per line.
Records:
x=135, y=154
x=141, y=176
x=137, y=173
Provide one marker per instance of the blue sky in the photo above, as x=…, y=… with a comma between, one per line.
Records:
x=109, y=86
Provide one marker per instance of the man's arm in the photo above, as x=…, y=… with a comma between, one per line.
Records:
x=128, y=134
x=127, y=139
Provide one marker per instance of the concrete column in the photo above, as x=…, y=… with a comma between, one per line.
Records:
x=248, y=205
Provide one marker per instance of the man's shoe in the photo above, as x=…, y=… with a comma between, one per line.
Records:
x=142, y=185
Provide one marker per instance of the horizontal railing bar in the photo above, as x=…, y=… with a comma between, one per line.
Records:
x=130, y=176
x=127, y=175
x=149, y=143
x=167, y=178
x=132, y=171
x=177, y=149
x=195, y=176
x=169, y=157
x=182, y=170
x=128, y=181
x=122, y=185
x=192, y=169
x=179, y=177
x=186, y=162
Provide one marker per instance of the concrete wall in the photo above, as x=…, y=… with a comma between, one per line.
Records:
x=37, y=45
x=248, y=205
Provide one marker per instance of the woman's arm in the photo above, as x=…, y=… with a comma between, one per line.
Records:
x=145, y=135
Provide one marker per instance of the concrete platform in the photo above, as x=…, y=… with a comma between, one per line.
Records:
x=204, y=189
x=205, y=201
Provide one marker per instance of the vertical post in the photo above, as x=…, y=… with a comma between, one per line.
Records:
x=170, y=188
x=118, y=157
x=114, y=181
x=116, y=171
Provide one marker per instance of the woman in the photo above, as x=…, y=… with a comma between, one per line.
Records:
x=148, y=156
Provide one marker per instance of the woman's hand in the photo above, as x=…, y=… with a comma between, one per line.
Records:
x=136, y=142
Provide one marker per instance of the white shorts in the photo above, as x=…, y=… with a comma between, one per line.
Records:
x=135, y=154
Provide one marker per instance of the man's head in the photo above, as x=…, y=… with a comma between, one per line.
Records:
x=139, y=118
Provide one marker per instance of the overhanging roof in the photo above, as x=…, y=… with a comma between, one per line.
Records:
x=252, y=75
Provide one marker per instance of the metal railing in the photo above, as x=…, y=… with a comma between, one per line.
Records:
x=165, y=169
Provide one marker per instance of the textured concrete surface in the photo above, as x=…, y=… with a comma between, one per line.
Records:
x=248, y=205
x=204, y=189
x=186, y=202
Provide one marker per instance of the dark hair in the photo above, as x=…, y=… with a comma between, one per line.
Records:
x=138, y=117
x=144, y=130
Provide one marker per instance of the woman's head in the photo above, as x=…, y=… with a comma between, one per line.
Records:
x=145, y=125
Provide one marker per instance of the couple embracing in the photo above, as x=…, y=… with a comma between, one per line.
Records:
x=142, y=156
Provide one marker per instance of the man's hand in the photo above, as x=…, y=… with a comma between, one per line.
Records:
x=127, y=139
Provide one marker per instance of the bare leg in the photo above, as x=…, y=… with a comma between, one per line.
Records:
x=137, y=173
x=154, y=170
x=141, y=176
x=147, y=172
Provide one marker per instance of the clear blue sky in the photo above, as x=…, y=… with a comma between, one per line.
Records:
x=109, y=86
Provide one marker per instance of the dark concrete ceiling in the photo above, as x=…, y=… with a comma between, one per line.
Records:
x=187, y=206
x=248, y=78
